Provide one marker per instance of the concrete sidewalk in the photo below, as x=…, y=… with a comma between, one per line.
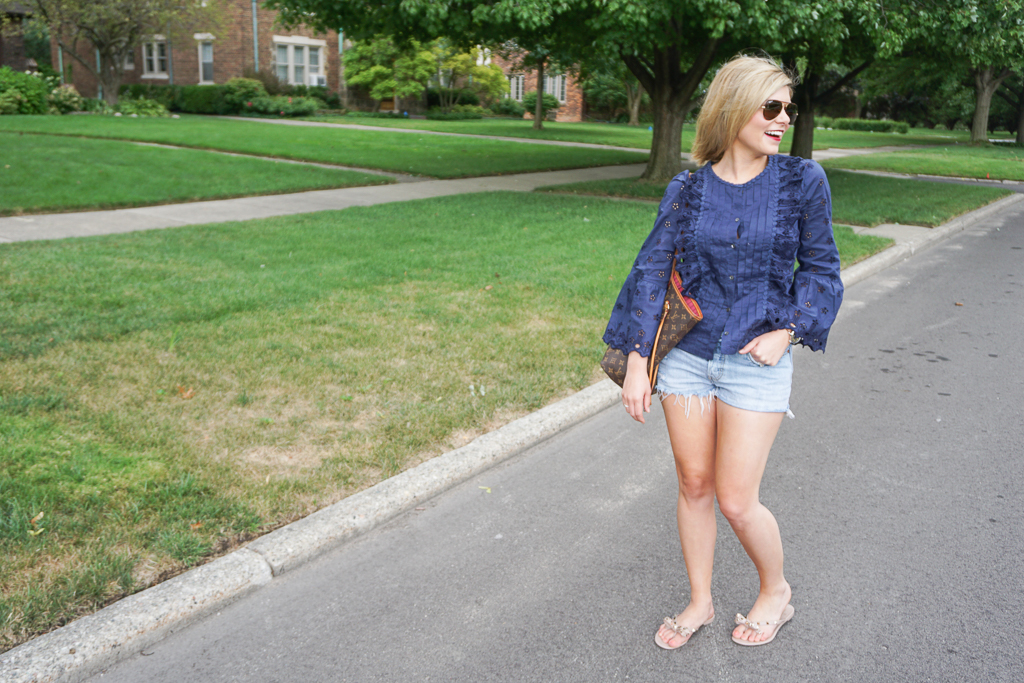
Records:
x=89, y=223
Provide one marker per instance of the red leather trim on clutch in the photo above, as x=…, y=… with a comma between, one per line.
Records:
x=691, y=305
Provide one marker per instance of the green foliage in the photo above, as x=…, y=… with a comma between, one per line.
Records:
x=506, y=106
x=386, y=70
x=282, y=106
x=167, y=95
x=436, y=96
x=141, y=107
x=65, y=99
x=441, y=115
x=330, y=98
x=549, y=103
x=465, y=73
x=203, y=99
x=238, y=91
x=268, y=77
x=23, y=93
x=868, y=125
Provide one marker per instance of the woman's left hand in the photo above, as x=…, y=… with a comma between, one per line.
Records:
x=768, y=348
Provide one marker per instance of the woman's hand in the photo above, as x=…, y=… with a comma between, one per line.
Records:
x=636, y=389
x=768, y=348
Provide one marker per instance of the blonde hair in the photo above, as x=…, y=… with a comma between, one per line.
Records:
x=738, y=90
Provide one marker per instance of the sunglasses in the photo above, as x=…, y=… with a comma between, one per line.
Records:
x=772, y=109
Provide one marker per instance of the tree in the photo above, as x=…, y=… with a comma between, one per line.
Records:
x=112, y=29
x=987, y=35
x=608, y=84
x=1013, y=93
x=462, y=70
x=387, y=70
x=668, y=45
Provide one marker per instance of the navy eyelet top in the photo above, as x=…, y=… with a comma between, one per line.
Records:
x=737, y=246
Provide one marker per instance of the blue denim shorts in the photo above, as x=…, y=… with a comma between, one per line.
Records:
x=736, y=379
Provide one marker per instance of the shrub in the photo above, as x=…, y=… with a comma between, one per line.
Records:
x=24, y=93
x=549, y=102
x=376, y=114
x=871, y=125
x=441, y=115
x=203, y=99
x=823, y=122
x=331, y=100
x=271, y=83
x=167, y=95
x=465, y=96
x=141, y=107
x=64, y=99
x=281, y=106
x=94, y=106
x=508, y=107
x=238, y=91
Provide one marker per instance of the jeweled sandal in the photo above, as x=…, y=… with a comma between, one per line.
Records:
x=684, y=631
x=757, y=627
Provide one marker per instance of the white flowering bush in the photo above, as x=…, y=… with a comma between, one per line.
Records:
x=64, y=99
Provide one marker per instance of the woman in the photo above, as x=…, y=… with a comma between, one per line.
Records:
x=737, y=226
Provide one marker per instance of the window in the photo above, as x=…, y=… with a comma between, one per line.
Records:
x=129, y=61
x=154, y=58
x=555, y=85
x=206, y=62
x=299, y=60
x=516, y=87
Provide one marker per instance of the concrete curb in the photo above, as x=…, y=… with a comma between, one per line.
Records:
x=83, y=647
x=92, y=643
x=902, y=251
x=76, y=651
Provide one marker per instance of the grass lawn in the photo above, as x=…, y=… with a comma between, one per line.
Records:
x=965, y=161
x=428, y=155
x=857, y=199
x=56, y=173
x=621, y=135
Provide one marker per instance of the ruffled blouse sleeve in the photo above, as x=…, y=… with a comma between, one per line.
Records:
x=638, y=309
x=817, y=290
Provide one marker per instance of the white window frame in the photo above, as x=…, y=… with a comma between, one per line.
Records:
x=129, y=61
x=555, y=85
x=298, y=49
x=516, y=85
x=156, y=73
x=204, y=39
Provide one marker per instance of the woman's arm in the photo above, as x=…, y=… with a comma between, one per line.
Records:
x=817, y=289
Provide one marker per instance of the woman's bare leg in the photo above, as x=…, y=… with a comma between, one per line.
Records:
x=693, y=446
x=744, y=440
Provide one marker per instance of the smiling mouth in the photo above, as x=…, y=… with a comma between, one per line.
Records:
x=775, y=134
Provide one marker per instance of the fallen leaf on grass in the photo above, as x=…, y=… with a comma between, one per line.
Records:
x=186, y=393
x=485, y=488
x=195, y=525
x=957, y=303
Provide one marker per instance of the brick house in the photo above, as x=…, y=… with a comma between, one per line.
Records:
x=12, y=43
x=564, y=87
x=249, y=38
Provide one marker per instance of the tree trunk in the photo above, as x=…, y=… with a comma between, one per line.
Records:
x=634, y=95
x=538, y=108
x=985, y=85
x=803, y=129
x=1020, y=122
x=670, y=91
x=666, y=160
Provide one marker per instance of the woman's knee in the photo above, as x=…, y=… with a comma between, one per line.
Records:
x=696, y=486
x=737, y=508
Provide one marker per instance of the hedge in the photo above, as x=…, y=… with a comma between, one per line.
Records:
x=435, y=115
x=868, y=125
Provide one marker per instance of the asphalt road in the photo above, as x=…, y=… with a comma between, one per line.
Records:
x=898, y=488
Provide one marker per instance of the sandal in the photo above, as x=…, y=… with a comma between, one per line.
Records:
x=684, y=631
x=756, y=627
